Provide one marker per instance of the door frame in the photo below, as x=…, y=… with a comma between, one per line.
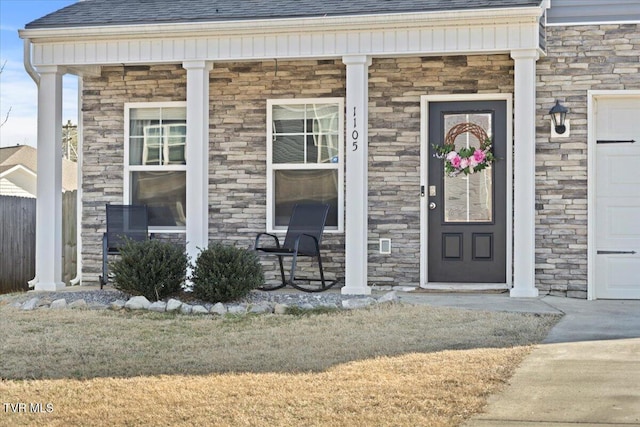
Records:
x=592, y=100
x=424, y=183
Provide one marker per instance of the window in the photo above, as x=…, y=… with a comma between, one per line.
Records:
x=156, y=162
x=304, y=158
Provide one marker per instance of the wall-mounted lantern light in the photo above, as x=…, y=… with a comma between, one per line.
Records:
x=559, y=118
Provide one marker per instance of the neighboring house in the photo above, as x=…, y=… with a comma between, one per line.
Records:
x=220, y=115
x=19, y=171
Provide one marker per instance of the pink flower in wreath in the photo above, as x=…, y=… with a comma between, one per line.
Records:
x=464, y=163
x=451, y=155
x=479, y=156
x=455, y=161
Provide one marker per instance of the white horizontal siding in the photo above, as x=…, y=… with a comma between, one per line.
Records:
x=8, y=188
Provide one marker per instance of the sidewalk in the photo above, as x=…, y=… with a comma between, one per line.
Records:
x=586, y=373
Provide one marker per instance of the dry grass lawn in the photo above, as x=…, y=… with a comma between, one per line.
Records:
x=391, y=365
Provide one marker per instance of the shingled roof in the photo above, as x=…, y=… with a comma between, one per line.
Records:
x=139, y=12
x=27, y=157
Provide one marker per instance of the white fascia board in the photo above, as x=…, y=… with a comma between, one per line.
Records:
x=17, y=168
x=455, y=18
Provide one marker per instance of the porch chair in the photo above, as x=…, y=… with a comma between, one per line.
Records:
x=303, y=238
x=123, y=222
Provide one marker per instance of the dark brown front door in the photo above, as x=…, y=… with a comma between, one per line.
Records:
x=467, y=213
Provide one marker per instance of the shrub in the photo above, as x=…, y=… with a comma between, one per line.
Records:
x=224, y=273
x=152, y=268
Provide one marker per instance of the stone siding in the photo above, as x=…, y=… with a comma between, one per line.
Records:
x=237, y=167
x=237, y=144
x=604, y=57
x=395, y=88
x=103, y=100
x=238, y=147
x=579, y=59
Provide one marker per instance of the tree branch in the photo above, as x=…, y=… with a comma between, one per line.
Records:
x=6, y=117
x=8, y=112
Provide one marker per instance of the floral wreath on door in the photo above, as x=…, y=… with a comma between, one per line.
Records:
x=466, y=160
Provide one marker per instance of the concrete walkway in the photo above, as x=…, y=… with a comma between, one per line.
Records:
x=586, y=373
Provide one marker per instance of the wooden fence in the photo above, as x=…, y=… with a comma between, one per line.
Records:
x=18, y=241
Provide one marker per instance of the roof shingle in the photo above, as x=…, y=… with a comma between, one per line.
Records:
x=136, y=12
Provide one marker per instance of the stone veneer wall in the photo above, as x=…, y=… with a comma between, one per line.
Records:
x=238, y=147
x=395, y=88
x=103, y=100
x=579, y=58
x=237, y=143
x=237, y=174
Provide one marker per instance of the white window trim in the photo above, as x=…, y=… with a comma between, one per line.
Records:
x=270, y=167
x=126, y=194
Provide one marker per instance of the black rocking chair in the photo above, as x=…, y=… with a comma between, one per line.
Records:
x=123, y=222
x=303, y=238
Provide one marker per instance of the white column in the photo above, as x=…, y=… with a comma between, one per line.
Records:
x=49, y=184
x=197, y=154
x=525, y=174
x=356, y=141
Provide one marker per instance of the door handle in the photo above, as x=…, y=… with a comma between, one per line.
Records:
x=432, y=205
x=616, y=252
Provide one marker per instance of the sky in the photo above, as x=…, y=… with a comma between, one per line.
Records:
x=18, y=92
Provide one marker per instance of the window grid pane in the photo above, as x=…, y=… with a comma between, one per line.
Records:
x=164, y=193
x=306, y=133
x=157, y=142
x=305, y=186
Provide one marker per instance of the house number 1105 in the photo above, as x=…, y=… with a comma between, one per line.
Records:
x=354, y=134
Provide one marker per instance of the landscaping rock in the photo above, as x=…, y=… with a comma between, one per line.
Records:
x=117, y=304
x=79, y=304
x=31, y=304
x=280, y=308
x=218, y=308
x=261, y=309
x=158, y=307
x=237, y=309
x=58, y=304
x=354, y=303
x=256, y=302
x=199, y=309
x=329, y=305
x=44, y=302
x=388, y=297
x=173, y=305
x=137, y=303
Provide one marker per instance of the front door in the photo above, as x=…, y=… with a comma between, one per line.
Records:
x=467, y=218
x=618, y=198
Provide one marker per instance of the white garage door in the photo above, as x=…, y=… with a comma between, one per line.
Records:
x=618, y=198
